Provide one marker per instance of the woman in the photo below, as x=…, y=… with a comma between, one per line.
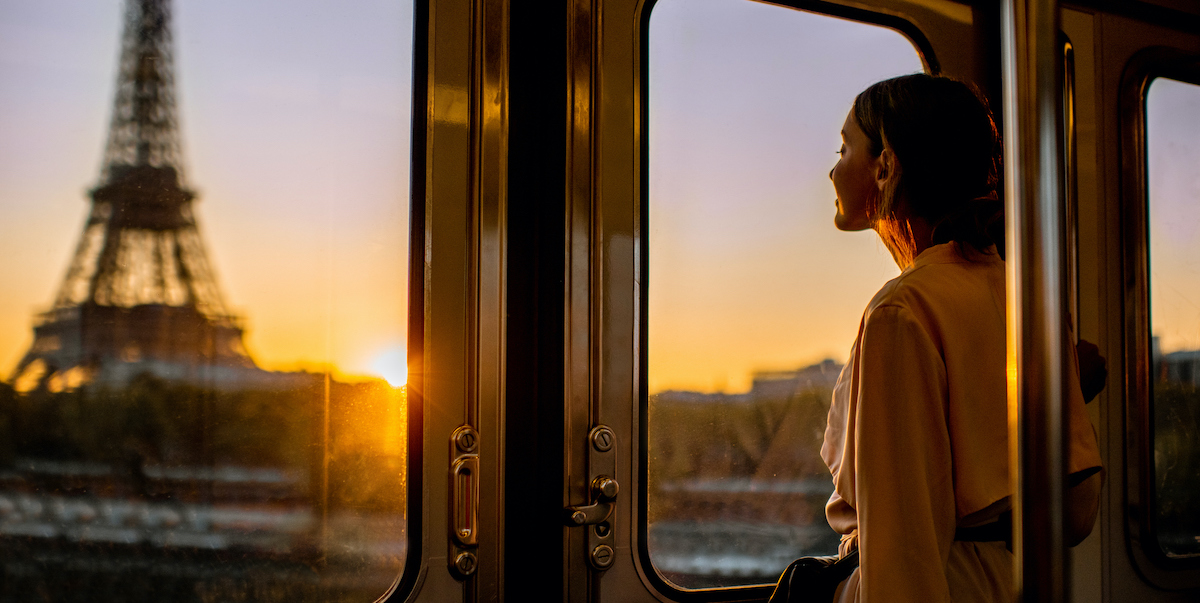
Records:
x=917, y=439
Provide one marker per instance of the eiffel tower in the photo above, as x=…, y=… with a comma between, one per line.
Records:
x=139, y=294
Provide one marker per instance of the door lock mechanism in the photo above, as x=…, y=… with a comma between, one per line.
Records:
x=604, y=495
x=598, y=515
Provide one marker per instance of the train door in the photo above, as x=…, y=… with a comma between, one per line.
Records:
x=537, y=337
x=534, y=329
x=718, y=472
x=683, y=270
x=529, y=313
x=1134, y=74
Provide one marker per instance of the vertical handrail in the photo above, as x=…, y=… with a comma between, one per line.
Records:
x=1036, y=294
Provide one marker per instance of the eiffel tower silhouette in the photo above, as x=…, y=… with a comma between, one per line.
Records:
x=139, y=294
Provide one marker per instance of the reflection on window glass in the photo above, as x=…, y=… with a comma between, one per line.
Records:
x=1173, y=150
x=754, y=297
x=203, y=353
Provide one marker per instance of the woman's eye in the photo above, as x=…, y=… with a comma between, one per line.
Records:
x=842, y=150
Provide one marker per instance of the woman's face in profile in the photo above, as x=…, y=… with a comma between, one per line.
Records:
x=854, y=178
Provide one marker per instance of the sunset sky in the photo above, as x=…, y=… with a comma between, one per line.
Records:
x=295, y=117
x=1173, y=138
x=747, y=271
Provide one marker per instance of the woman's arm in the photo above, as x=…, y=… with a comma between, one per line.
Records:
x=1081, y=502
x=903, y=468
x=1081, y=505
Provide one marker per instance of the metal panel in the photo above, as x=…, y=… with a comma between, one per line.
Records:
x=458, y=376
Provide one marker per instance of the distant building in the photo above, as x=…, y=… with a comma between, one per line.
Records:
x=764, y=385
x=1182, y=366
x=783, y=383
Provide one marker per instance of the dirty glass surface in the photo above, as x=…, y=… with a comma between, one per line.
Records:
x=203, y=233
x=1173, y=151
x=754, y=297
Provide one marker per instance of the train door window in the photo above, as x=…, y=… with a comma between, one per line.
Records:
x=166, y=434
x=1173, y=152
x=753, y=297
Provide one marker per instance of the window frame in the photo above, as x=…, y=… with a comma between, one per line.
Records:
x=408, y=580
x=1142, y=70
x=650, y=573
x=1070, y=194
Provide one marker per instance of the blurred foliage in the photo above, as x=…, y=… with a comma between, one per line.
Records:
x=753, y=457
x=8, y=406
x=1177, y=466
x=307, y=447
x=739, y=477
x=32, y=570
x=156, y=422
x=738, y=435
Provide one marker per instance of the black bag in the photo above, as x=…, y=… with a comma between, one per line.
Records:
x=813, y=579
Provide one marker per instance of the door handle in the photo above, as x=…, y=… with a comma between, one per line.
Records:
x=463, y=517
x=464, y=483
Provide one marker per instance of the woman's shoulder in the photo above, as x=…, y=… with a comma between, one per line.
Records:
x=944, y=276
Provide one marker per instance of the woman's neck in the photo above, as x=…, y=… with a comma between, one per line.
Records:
x=922, y=234
x=905, y=239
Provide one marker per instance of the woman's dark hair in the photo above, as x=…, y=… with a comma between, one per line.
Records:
x=949, y=153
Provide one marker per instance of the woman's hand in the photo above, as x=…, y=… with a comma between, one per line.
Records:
x=1093, y=369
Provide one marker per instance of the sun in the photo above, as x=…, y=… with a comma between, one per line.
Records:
x=392, y=365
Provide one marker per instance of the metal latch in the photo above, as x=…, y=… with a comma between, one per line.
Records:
x=604, y=495
x=596, y=515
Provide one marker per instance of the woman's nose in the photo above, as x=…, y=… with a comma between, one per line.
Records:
x=831, y=173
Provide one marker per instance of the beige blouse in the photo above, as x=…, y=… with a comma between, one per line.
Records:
x=917, y=439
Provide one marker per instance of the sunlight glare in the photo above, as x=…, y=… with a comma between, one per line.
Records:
x=392, y=365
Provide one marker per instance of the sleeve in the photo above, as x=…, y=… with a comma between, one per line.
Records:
x=1083, y=452
x=904, y=486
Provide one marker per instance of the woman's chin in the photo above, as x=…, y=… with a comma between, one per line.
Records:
x=844, y=224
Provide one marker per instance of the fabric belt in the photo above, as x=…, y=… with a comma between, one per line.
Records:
x=997, y=531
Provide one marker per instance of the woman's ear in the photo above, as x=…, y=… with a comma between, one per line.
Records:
x=886, y=169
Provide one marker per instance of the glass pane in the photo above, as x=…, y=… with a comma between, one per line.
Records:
x=1173, y=148
x=754, y=297
x=203, y=220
